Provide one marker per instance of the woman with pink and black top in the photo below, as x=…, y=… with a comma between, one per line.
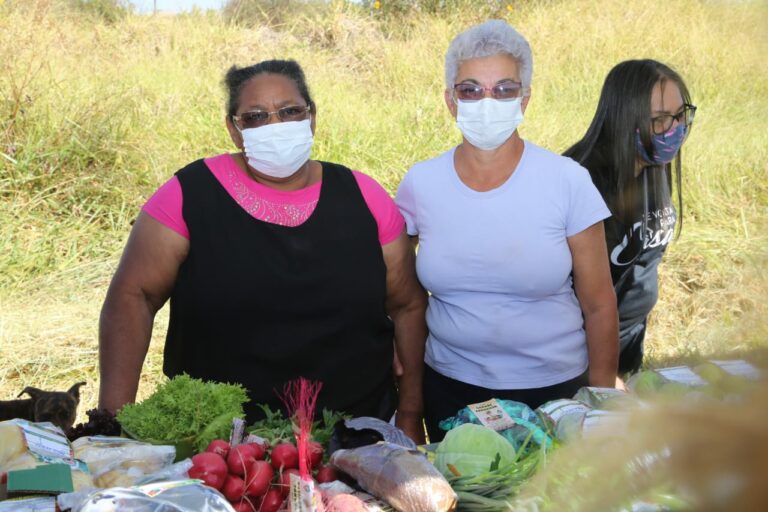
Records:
x=276, y=266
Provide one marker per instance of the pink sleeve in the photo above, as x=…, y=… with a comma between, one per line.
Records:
x=383, y=208
x=165, y=207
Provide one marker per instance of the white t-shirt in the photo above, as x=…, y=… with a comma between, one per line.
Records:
x=502, y=312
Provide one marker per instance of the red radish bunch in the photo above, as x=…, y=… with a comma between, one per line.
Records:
x=326, y=474
x=210, y=468
x=285, y=456
x=219, y=446
x=251, y=477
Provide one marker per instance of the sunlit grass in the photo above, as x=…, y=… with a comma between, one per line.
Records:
x=95, y=115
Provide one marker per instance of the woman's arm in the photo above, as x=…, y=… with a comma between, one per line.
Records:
x=141, y=285
x=592, y=282
x=406, y=305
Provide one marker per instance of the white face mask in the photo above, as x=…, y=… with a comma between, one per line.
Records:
x=278, y=149
x=488, y=123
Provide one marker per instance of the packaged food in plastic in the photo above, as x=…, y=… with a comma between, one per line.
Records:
x=515, y=421
x=403, y=478
x=177, y=471
x=554, y=412
x=739, y=368
x=121, y=462
x=175, y=496
x=605, y=398
x=729, y=378
x=673, y=381
x=47, y=504
x=26, y=445
x=606, y=423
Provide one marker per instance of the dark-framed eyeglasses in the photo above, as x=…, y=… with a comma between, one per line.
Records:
x=256, y=118
x=662, y=124
x=507, y=90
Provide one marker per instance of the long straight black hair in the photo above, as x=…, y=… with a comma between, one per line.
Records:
x=608, y=149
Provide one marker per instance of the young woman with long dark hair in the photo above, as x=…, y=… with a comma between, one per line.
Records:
x=632, y=152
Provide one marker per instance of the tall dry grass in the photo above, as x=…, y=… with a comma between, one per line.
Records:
x=96, y=113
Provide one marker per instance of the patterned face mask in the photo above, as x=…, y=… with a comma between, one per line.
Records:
x=665, y=146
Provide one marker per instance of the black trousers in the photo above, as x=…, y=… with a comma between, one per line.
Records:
x=631, y=355
x=444, y=397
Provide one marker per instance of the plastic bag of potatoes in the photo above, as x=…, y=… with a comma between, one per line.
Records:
x=121, y=462
x=26, y=445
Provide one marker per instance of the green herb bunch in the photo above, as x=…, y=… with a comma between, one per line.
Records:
x=276, y=428
x=185, y=408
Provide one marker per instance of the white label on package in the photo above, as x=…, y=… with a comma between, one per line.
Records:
x=47, y=445
x=739, y=368
x=301, y=495
x=682, y=375
x=492, y=415
x=557, y=409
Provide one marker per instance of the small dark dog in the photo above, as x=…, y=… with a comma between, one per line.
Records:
x=58, y=407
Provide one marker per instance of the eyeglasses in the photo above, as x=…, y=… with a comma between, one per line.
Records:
x=256, y=118
x=507, y=90
x=662, y=124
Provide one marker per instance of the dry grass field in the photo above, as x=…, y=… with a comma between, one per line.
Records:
x=95, y=113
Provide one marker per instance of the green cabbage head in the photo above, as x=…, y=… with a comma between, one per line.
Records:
x=471, y=449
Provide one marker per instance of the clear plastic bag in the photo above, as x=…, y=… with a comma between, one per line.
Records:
x=175, y=496
x=121, y=462
x=25, y=445
x=525, y=424
x=403, y=478
x=177, y=471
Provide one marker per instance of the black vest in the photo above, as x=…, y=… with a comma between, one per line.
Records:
x=262, y=304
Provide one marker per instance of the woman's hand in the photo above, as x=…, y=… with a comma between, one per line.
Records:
x=412, y=424
x=597, y=298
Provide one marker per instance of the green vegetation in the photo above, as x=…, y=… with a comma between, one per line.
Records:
x=184, y=408
x=96, y=111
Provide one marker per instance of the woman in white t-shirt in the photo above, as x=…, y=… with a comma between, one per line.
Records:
x=509, y=236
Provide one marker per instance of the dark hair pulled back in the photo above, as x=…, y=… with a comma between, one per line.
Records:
x=237, y=77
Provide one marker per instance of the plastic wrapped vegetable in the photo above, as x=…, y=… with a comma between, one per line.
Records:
x=605, y=398
x=121, y=462
x=524, y=424
x=563, y=418
x=471, y=449
x=403, y=478
x=177, y=496
x=47, y=503
x=26, y=445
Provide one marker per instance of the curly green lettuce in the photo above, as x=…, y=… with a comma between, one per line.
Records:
x=185, y=408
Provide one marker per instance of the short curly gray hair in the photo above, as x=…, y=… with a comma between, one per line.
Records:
x=493, y=37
